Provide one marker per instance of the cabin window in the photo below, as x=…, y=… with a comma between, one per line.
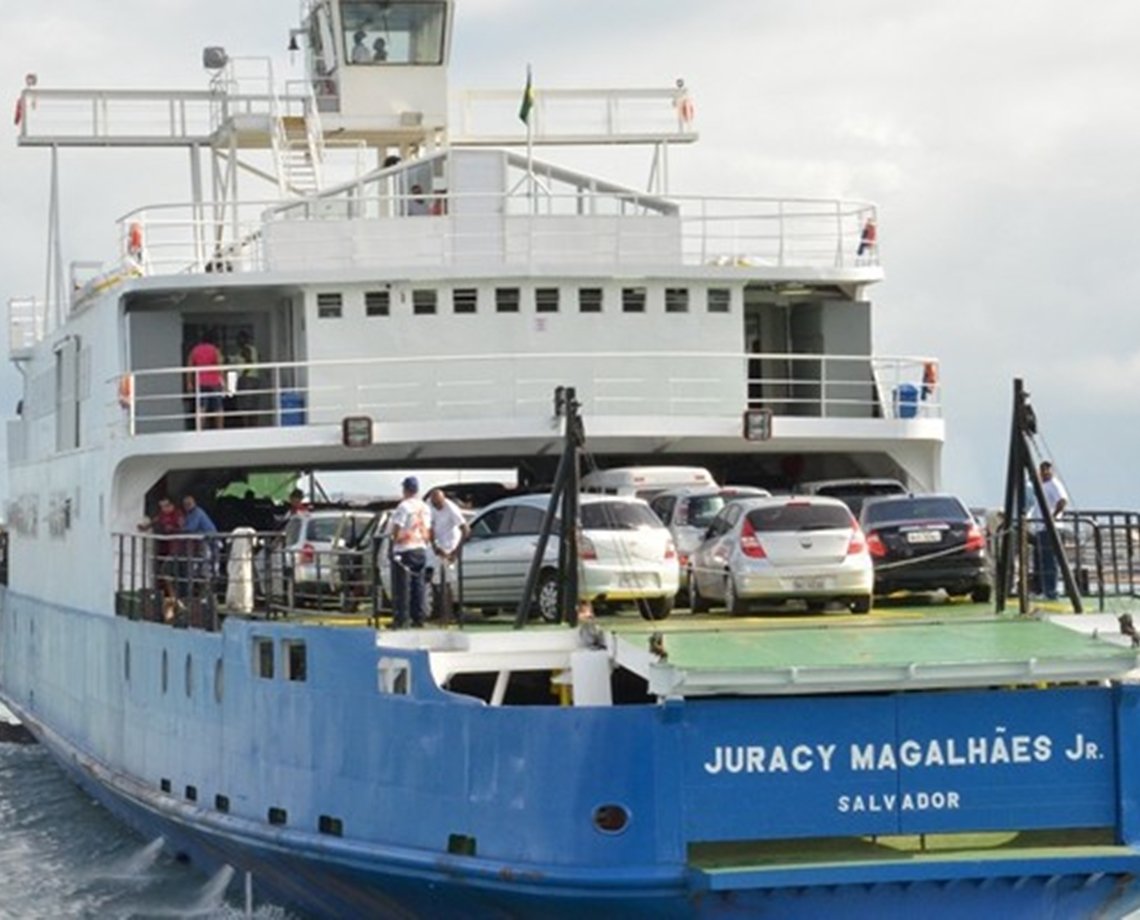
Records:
x=380, y=33
x=589, y=300
x=327, y=824
x=278, y=816
x=377, y=303
x=507, y=300
x=164, y=785
x=633, y=300
x=676, y=300
x=296, y=661
x=263, y=658
x=546, y=300
x=192, y=793
x=165, y=670
x=423, y=302
x=464, y=300
x=330, y=306
x=720, y=300
x=189, y=676
x=219, y=680
x=222, y=803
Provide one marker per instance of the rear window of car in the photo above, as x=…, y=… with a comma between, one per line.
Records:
x=915, y=509
x=799, y=516
x=855, y=496
x=322, y=530
x=618, y=516
x=702, y=509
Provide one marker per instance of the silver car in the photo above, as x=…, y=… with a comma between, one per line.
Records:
x=779, y=549
x=625, y=552
x=688, y=512
x=306, y=562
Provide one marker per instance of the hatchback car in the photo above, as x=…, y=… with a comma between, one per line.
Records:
x=305, y=563
x=626, y=555
x=781, y=549
x=688, y=512
x=927, y=542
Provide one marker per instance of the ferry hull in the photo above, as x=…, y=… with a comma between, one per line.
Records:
x=374, y=876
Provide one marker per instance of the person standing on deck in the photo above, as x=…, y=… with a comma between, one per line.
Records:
x=408, y=535
x=200, y=553
x=248, y=381
x=205, y=380
x=1044, y=556
x=449, y=531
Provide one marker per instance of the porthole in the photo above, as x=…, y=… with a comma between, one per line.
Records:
x=611, y=818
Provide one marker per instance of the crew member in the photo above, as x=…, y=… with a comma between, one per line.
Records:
x=449, y=531
x=408, y=533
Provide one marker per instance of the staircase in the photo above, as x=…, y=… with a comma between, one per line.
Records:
x=298, y=157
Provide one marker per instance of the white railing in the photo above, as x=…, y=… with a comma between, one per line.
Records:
x=573, y=116
x=516, y=386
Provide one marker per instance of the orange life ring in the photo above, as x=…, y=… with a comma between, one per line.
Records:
x=134, y=239
x=126, y=391
x=929, y=378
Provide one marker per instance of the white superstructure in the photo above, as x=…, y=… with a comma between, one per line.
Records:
x=439, y=279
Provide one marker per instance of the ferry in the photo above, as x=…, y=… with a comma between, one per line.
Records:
x=417, y=277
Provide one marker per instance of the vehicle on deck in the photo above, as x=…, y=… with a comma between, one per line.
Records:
x=688, y=511
x=646, y=482
x=853, y=492
x=782, y=549
x=306, y=564
x=626, y=556
x=927, y=542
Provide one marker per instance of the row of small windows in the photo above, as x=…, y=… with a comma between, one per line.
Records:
x=426, y=301
x=294, y=656
x=279, y=817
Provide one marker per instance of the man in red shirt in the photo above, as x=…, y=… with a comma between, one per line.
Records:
x=205, y=380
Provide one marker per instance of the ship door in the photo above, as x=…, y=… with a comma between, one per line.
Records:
x=67, y=394
x=766, y=333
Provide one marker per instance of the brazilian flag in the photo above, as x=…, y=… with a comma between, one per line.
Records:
x=527, y=99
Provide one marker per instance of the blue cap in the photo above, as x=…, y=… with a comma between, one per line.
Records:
x=411, y=484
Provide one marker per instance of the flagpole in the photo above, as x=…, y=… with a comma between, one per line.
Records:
x=530, y=145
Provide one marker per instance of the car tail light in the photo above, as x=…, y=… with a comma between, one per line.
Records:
x=975, y=539
x=875, y=545
x=750, y=543
x=670, y=550
x=858, y=543
x=683, y=560
x=586, y=548
x=308, y=554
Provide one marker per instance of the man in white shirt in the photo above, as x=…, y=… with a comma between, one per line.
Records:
x=1044, y=558
x=449, y=530
x=360, y=52
x=409, y=532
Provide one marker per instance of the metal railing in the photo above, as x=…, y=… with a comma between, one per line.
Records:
x=496, y=386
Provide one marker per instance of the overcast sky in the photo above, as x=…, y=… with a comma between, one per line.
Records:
x=999, y=139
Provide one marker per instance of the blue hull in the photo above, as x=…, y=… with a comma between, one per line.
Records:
x=141, y=730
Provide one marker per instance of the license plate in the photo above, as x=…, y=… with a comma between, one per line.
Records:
x=813, y=583
x=924, y=536
x=631, y=580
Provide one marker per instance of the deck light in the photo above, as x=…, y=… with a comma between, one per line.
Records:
x=356, y=431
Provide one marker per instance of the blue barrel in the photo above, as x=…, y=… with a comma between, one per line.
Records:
x=906, y=400
x=292, y=408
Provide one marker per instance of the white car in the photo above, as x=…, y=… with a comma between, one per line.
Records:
x=778, y=549
x=307, y=562
x=626, y=555
x=688, y=512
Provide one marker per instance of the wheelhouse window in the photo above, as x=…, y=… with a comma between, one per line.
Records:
x=378, y=33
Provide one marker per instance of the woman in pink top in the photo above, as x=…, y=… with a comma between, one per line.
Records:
x=206, y=381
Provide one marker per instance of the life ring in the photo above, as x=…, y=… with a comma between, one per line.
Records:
x=929, y=378
x=135, y=240
x=126, y=391
x=686, y=109
x=868, y=237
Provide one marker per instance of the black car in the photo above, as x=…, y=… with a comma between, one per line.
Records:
x=926, y=542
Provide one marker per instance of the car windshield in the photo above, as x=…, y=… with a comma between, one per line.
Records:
x=702, y=509
x=799, y=516
x=618, y=516
x=323, y=529
x=914, y=509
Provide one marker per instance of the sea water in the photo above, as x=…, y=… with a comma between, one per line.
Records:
x=62, y=856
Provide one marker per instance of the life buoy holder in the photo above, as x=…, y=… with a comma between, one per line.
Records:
x=126, y=391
